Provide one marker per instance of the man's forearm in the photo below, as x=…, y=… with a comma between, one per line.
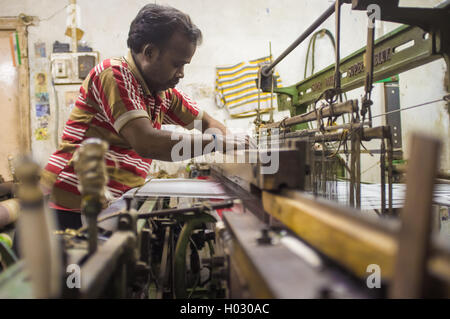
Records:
x=168, y=146
x=209, y=122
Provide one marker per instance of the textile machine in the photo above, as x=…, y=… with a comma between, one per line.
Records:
x=247, y=230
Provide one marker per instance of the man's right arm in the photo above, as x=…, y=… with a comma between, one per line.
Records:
x=156, y=144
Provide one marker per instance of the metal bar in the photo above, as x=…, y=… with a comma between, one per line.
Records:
x=120, y=280
x=338, y=109
x=255, y=269
x=369, y=58
x=193, y=209
x=266, y=70
x=337, y=127
x=163, y=269
x=368, y=134
x=172, y=262
x=7, y=255
x=390, y=151
x=388, y=62
x=337, y=71
x=92, y=231
x=100, y=266
x=352, y=170
x=250, y=201
x=358, y=168
x=383, y=177
x=323, y=177
x=414, y=237
x=15, y=282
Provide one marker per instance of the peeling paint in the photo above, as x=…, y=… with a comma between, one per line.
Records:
x=199, y=90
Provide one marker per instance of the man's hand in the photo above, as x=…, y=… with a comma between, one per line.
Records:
x=236, y=142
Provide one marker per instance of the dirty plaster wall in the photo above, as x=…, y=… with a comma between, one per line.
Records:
x=233, y=31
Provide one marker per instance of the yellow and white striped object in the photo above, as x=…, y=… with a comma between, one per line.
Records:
x=236, y=88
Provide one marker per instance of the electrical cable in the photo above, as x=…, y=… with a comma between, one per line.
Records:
x=411, y=107
x=54, y=14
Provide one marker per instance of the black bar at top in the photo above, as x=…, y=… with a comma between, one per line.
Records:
x=266, y=70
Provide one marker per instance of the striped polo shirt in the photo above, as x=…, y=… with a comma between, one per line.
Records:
x=113, y=94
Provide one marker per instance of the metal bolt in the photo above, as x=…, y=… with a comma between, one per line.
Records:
x=265, y=238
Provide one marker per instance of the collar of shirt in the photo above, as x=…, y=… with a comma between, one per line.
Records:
x=134, y=69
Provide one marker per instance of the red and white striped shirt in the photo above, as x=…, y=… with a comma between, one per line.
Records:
x=113, y=94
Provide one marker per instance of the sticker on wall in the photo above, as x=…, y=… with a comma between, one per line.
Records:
x=42, y=98
x=70, y=99
x=43, y=121
x=39, y=50
x=41, y=134
x=42, y=110
x=40, y=83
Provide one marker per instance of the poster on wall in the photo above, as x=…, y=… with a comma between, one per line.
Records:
x=70, y=99
x=42, y=98
x=40, y=83
x=39, y=50
x=43, y=121
x=41, y=134
x=42, y=110
x=42, y=106
x=41, y=95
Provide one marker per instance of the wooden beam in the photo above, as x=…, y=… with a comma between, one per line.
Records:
x=24, y=92
x=415, y=232
x=20, y=24
x=353, y=244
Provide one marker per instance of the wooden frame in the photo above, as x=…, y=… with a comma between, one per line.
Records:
x=20, y=24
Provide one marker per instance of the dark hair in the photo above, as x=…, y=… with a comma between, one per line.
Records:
x=156, y=24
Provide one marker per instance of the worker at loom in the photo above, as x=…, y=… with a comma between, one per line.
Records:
x=124, y=101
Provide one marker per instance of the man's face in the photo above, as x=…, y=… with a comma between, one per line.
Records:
x=163, y=66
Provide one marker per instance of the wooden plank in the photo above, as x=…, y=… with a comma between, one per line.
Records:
x=20, y=25
x=24, y=91
x=414, y=238
x=275, y=270
x=350, y=243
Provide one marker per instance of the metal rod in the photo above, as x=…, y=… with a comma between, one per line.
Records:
x=162, y=276
x=383, y=177
x=367, y=135
x=99, y=268
x=337, y=71
x=338, y=109
x=266, y=70
x=352, y=171
x=333, y=128
x=390, y=150
x=199, y=208
x=358, y=168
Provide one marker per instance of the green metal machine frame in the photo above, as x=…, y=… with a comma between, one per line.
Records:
x=390, y=59
x=405, y=48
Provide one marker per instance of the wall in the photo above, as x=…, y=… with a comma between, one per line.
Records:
x=234, y=30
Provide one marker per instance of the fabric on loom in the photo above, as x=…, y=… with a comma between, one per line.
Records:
x=236, y=88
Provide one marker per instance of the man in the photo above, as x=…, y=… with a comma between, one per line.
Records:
x=124, y=101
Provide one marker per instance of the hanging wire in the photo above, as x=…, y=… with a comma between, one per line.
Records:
x=54, y=14
x=411, y=107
